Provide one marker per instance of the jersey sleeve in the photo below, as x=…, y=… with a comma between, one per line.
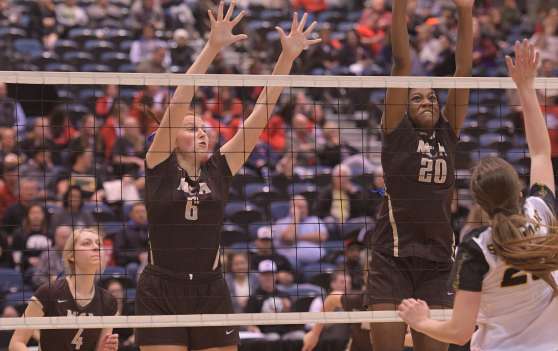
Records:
x=44, y=296
x=218, y=168
x=545, y=194
x=469, y=268
x=154, y=176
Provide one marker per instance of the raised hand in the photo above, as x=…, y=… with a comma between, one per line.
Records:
x=464, y=3
x=524, y=70
x=294, y=43
x=110, y=342
x=222, y=26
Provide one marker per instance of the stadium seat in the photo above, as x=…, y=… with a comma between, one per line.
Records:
x=99, y=47
x=18, y=299
x=472, y=126
x=500, y=125
x=261, y=194
x=77, y=58
x=308, y=190
x=101, y=211
x=127, y=68
x=63, y=46
x=243, y=213
x=117, y=36
x=29, y=47
x=60, y=67
x=254, y=227
x=126, y=45
x=11, y=281
x=90, y=94
x=113, y=227
x=45, y=58
x=279, y=209
x=119, y=273
x=467, y=143
x=233, y=233
x=518, y=157
x=495, y=141
x=92, y=67
x=115, y=59
x=12, y=33
x=81, y=35
x=300, y=290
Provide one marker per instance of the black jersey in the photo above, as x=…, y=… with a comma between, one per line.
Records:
x=415, y=217
x=185, y=217
x=58, y=301
x=360, y=333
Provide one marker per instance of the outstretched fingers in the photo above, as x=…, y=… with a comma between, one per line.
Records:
x=238, y=18
x=230, y=11
x=310, y=28
x=302, y=23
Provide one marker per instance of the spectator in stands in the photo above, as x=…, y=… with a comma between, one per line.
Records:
x=51, y=263
x=311, y=6
x=264, y=251
x=131, y=243
x=39, y=137
x=104, y=104
x=42, y=18
x=546, y=37
x=182, y=53
x=268, y=299
x=9, y=186
x=88, y=138
x=147, y=12
x=61, y=129
x=323, y=58
x=129, y=149
x=86, y=174
x=31, y=238
x=41, y=168
x=333, y=152
x=299, y=236
x=73, y=214
x=148, y=107
x=14, y=215
x=101, y=10
x=125, y=335
x=6, y=257
x=8, y=143
x=155, y=63
x=342, y=200
x=241, y=281
x=302, y=140
x=143, y=48
x=69, y=15
x=11, y=112
x=111, y=130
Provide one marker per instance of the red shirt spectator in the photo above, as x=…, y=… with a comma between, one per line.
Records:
x=310, y=5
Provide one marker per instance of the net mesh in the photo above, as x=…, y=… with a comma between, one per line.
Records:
x=95, y=137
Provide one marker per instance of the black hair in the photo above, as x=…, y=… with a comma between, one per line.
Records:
x=66, y=198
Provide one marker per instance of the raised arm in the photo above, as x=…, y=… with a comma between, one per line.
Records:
x=397, y=98
x=457, y=103
x=219, y=37
x=21, y=337
x=523, y=72
x=238, y=149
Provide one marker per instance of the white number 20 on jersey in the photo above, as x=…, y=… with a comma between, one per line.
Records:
x=191, y=212
x=433, y=170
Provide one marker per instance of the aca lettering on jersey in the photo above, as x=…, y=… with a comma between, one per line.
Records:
x=425, y=148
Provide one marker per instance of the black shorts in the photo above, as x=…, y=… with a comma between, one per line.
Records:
x=161, y=292
x=392, y=279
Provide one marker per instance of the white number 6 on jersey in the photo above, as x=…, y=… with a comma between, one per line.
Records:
x=191, y=212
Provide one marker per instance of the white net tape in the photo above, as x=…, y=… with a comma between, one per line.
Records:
x=301, y=81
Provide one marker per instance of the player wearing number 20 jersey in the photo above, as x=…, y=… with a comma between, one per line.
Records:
x=517, y=308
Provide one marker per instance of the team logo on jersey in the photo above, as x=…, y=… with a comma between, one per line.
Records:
x=425, y=148
x=185, y=187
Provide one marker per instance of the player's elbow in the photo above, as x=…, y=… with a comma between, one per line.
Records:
x=462, y=337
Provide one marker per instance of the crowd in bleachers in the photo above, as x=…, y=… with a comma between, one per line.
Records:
x=81, y=162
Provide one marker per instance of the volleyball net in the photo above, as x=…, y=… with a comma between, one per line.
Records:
x=324, y=133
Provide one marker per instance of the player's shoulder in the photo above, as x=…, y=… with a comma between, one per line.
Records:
x=476, y=243
x=540, y=199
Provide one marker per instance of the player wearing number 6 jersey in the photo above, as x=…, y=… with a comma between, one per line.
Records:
x=186, y=194
x=411, y=248
x=505, y=275
x=74, y=295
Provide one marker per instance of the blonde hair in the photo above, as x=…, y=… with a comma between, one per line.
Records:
x=68, y=256
x=497, y=189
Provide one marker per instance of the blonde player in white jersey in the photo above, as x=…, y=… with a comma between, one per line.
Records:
x=505, y=275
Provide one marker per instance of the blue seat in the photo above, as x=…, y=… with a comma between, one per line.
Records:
x=29, y=47
x=115, y=59
x=308, y=190
x=12, y=33
x=93, y=67
x=500, y=125
x=518, y=157
x=303, y=290
x=467, y=143
x=495, y=141
x=99, y=47
x=11, y=281
x=113, y=228
x=82, y=34
x=126, y=45
x=117, y=35
x=63, y=46
x=60, y=67
x=18, y=299
x=77, y=58
x=279, y=209
x=243, y=213
x=261, y=194
x=127, y=68
x=233, y=233
x=119, y=273
x=101, y=211
x=45, y=58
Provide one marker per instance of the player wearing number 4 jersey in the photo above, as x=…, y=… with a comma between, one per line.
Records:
x=75, y=295
x=411, y=248
x=505, y=275
x=186, y=194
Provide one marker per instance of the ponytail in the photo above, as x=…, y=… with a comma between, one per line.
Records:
x=517, y=243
